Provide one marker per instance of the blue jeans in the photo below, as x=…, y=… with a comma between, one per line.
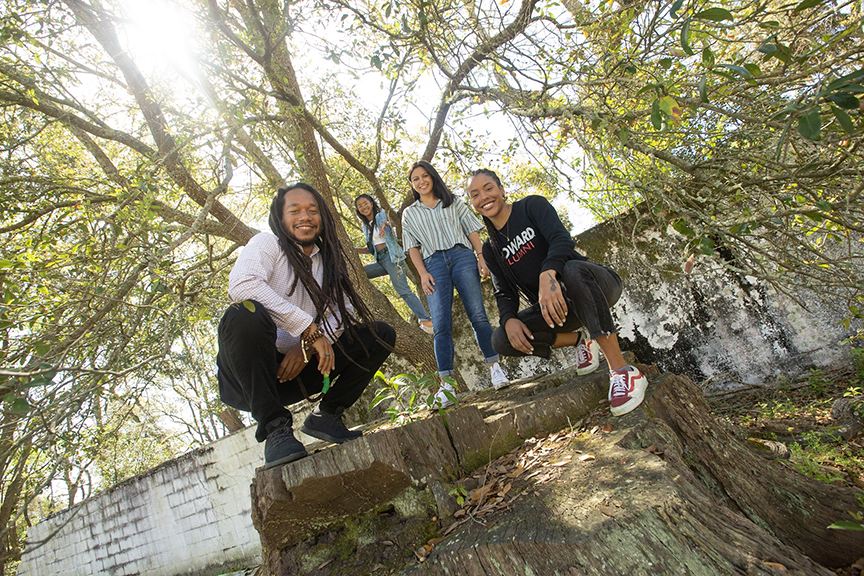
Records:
x=456, y=267
x=384, y=265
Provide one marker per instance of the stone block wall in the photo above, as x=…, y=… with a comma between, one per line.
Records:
x=190, y=515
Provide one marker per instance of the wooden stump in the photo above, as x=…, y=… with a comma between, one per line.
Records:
x=699, y=502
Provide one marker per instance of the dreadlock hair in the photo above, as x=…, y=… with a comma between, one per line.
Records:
x=335, y=285
x=368, y=225
x=439, y=189
x=497, y=253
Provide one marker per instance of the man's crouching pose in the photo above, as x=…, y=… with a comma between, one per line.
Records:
x=296, y=320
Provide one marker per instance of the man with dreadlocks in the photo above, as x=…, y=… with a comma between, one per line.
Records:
x=293, y=302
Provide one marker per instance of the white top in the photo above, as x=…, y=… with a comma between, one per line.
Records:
x=377, y=236
x=262, y=273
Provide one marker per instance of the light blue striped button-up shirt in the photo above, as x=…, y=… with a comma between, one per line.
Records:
x=437, y=228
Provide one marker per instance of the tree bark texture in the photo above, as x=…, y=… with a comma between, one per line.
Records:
x=697, y=501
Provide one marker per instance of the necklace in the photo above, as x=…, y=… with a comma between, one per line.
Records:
x=505, y=230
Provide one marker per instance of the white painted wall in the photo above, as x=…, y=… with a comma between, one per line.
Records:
x=190, y=515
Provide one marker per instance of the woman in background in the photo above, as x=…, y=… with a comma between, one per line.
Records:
x=530, y=252
x=437, y=233
x=389, y=257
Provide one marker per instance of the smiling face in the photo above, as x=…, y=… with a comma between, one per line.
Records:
x=364, y=207
x=421, y=181
x=487, y=197
x=301, y=218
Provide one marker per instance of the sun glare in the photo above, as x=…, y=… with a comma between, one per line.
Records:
x=160, y=35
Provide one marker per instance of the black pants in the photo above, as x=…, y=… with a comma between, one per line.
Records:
x=248, y=363
x=591, y=290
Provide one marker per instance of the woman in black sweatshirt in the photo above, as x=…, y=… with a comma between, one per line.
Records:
x=530, y=253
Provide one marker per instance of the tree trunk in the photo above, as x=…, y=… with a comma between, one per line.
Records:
x=411, y=343
x=664, y=490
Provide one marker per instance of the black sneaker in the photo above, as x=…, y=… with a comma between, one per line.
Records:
x=281, y=447
x=328, y=427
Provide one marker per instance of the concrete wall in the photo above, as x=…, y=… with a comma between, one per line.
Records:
x=190, y=515
x=711, y=324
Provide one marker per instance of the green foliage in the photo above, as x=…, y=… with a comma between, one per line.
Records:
x=857, y=355
x=858, y=525
x=409, y=394
x=817, y=382
x=808, y=463
x=460, y=492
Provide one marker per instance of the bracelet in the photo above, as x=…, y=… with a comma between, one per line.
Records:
x=307, y=341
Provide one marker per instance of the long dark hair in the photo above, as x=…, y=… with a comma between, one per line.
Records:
x=439, y=189
x=497, y=253
x=369, y=225
x=335, y=286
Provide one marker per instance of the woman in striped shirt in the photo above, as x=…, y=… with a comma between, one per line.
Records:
x=436, y=232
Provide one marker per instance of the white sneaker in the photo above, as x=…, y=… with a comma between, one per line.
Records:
x=442, y=399
x=587, y=355
x=427, y=329
x=626, y=389
x=499, y=378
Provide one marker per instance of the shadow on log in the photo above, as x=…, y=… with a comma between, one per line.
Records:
x=699, y=503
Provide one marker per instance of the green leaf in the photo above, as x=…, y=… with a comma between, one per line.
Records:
x=20, y=406
x=682, y=228
x=667, y=104
x=714, y=14
x=623, y=135
x=423, y=20
x=845, y=100
x=249, y=305
x=847, y=525
x=666, y=63
x=703, y=89
x=706, y=245
x=753, y=69
x=376, y=62
x=685, y=38
x=707, y=58
x=841, y=82
x=810, y=125
x=656, y=118
x=740, y=70
x=843, y=119
x=5, y=263
x=675, y=7
x=648, y=87
x=807, y=4
x=767, y=48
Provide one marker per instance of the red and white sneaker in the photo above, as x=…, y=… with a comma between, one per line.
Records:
x=626, y=389
x=587, y=355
